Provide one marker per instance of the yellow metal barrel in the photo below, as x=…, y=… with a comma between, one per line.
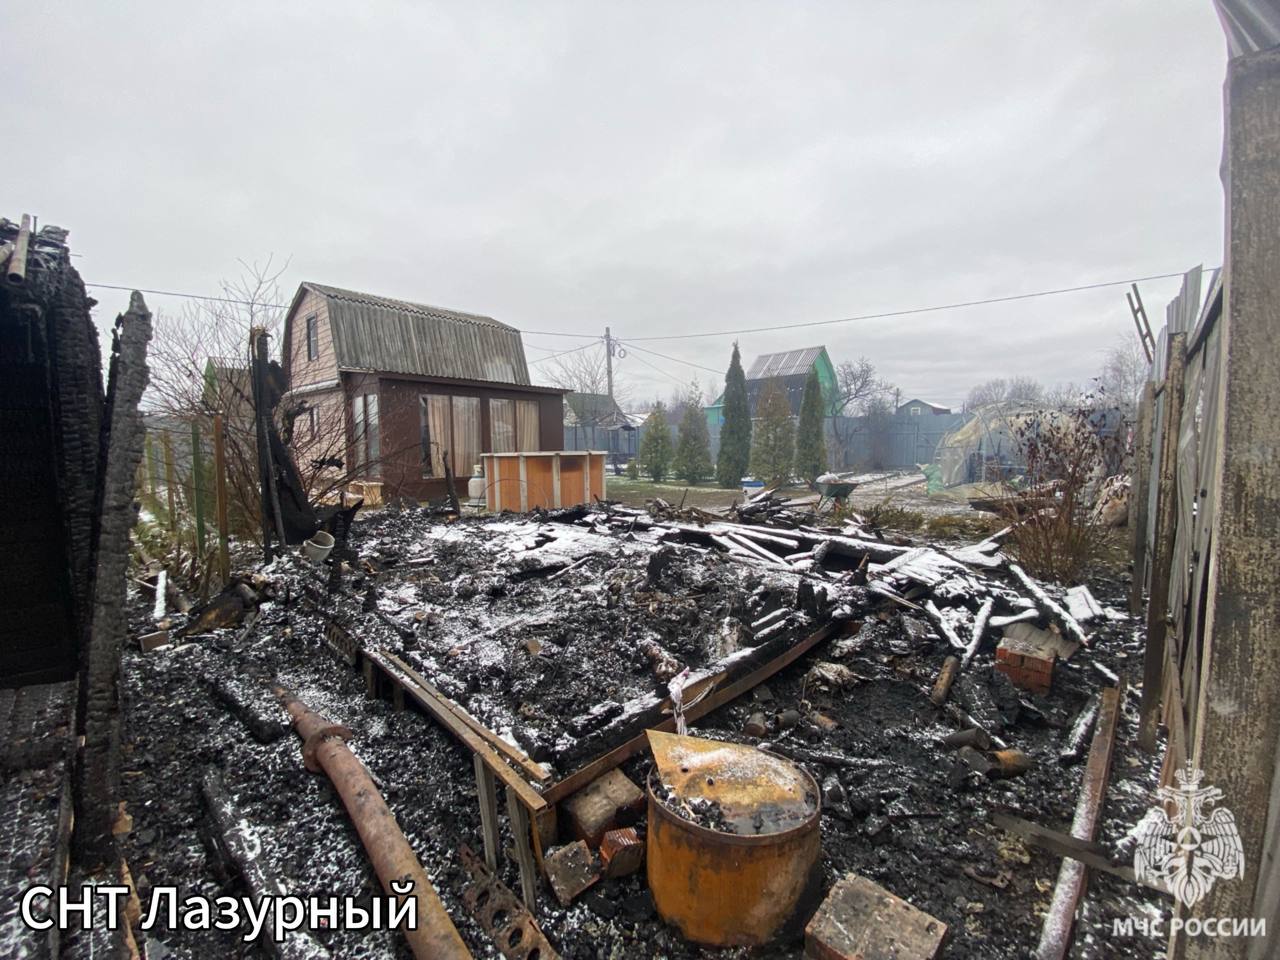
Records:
x=738, y=882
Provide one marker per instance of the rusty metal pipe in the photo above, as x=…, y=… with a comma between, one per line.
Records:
x=324, y=749
x=17, y=272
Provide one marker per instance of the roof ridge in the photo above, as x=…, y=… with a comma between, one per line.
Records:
x=411, y=306
x=816, y=346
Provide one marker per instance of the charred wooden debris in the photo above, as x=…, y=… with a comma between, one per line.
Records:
x=553, y=646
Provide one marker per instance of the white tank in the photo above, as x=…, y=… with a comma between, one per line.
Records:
x=475, y=486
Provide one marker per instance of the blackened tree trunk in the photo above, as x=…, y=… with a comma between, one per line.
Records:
x=98, y=773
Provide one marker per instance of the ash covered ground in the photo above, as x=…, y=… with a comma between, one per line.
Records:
x=533, y=625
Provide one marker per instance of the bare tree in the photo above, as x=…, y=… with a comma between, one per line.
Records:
x=859, y=394
x=585, y=371
x=1016, y=390
x=201, y=368
x=857, y=386
x=1064, y=396
x=1124, y=371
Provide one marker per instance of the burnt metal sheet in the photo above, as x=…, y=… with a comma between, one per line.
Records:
x=396, y=336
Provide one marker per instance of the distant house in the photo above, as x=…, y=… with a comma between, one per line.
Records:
x=594, y=421
x=228, y=390
x=921, y=408
x=790, y=370
x=400, y=385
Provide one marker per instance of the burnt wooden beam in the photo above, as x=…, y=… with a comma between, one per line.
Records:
x=98, y=772
x=1073, y=876
x=728, y=684
x=1165, y=537
x=239, y=843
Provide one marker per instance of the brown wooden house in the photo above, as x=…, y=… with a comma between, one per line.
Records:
x=388, y=388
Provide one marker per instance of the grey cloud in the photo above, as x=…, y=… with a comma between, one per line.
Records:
x=661, y=168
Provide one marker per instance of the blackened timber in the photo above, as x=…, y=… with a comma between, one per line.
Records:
x=261, y=714
x=612, y=744
x=98, y=773
x=238, y=842
x=1055, y=936
x=534, y=771
x=438, y=707
x=265, y=474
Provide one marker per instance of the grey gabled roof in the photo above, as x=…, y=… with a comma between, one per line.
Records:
x=790, y=363
x=591, y=409
x=396, y=336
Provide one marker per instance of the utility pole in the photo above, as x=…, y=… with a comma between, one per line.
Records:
x=608, y=359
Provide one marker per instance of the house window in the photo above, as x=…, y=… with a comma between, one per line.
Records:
x=313, y=338
x=527, y=425
x=502, y=426
x=915, y=410
x=313, y=423
x=513, y=425
x=466, y=435
x=449, y=425
x=367, y=434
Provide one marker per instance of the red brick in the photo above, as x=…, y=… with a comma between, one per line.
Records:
x=621, y=852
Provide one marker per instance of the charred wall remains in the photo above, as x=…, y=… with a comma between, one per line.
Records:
x=50, y=422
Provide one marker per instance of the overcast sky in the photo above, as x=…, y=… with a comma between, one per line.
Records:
x=659, y=168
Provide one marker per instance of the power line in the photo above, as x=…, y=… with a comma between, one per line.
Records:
x=188, y=296
x=688, y=363
x=563, y=352
x=916, y=310
x=281, y=306
x=593, y=338
x=663, y=372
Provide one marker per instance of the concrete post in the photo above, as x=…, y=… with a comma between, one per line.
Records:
x=1239, y=713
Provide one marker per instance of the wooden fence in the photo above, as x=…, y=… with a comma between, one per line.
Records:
x=183, y=481
x=1175, y=494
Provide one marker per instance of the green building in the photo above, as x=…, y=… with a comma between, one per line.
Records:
x=790, y=370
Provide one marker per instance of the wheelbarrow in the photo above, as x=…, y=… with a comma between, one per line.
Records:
x=834, y=493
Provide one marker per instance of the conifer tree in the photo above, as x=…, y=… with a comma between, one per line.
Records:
x=655, y=448
x=773, y=442
x=735, y=432
x=811, y=448
x=693, y=447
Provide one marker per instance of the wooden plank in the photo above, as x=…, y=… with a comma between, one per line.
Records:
x=520, y=831
x=1166, y=530
x=513, y=753
x=1092, y=855
x=1055, y=936
x=170, y=484
x=487, y=793
x=717, y=698
x=1206, y=511
x=220, y=495
x=436, y=706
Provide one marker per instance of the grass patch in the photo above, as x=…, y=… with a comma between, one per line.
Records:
x=973, y=525
x=888, y=515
